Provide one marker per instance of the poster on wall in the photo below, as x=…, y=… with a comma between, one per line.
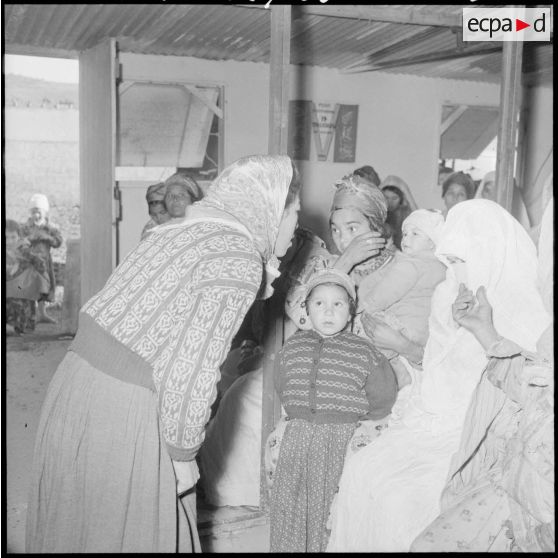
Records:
x=345, y=134
x=300, y=125
x=324, y=118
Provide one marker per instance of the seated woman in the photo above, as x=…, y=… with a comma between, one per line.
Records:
x=500, y=493
x=487, y=191
x=457, y=187
x=400, y=203
x=390, y=490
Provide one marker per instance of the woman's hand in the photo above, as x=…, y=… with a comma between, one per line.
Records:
x=187, y=475
x=474, y=313
x=382, y=335
x=360, y=249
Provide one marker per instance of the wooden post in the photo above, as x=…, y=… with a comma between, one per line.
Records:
x=72, y=282
x=510, y=98
x=280, y=57
x=278, y=122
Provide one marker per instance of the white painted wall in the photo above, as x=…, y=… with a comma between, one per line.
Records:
x=398, y=124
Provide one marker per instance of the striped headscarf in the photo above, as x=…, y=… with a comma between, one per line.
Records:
x=189, y=185
x=355, y=192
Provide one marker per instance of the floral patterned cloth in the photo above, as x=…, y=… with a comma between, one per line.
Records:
x=307, y=475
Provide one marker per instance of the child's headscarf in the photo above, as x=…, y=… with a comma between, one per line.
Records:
x=429, y=221
x=355, y=192
x=253, y=190
x=40, y=201
x=156, y=192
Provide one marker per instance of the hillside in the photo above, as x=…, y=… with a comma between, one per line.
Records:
x=22, y=91
x=35, y=166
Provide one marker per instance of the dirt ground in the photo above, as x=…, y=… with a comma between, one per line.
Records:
x=31, y=360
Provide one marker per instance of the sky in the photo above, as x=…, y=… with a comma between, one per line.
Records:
x=61, y=70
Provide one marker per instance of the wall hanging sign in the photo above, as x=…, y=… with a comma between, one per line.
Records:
x=323, y=121
x=345, y=134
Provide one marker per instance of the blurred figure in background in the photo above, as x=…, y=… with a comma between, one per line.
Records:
x=457, y=187
x=158, y=213
x=25, y=280
x=181, y=191
x=42, y=236
x=400, y=204
x=369, y=173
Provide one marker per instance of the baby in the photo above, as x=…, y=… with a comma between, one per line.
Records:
x=400, y=293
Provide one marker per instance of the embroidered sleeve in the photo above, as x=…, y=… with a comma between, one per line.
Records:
x=219, y=295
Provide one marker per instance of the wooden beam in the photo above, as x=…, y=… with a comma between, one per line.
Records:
x=31, y=50
x=279, y=68
x=416, y=15
x=423, y=59
x=510, y=97
x=279, y=62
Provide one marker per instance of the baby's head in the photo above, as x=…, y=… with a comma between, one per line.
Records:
x=11, y=234
x=38, y=208
x=421, y=232
x=330, y=301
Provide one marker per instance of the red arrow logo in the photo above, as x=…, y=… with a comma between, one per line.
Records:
x=520, y=25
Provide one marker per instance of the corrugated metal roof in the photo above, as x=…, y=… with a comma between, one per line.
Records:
x=224, y=32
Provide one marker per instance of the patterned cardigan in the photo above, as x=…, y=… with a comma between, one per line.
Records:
x=166, y=317
x=338, y=379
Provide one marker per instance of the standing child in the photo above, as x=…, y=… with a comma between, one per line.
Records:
x=42, y=236
x=24, y=281
x=399, y=294
x=327, y=379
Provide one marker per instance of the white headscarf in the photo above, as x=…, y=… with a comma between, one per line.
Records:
x=498, y=254
x=40, y=201
x=429, y=221
x=488, y=177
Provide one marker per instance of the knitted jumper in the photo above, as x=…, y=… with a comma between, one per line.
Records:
x=338, y=379
x=166, y=317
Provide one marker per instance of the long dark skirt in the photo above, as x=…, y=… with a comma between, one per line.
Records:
x=305, y=481
x=102, y=479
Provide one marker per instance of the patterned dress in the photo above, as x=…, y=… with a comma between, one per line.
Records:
x=326, y=385
x=501, y=498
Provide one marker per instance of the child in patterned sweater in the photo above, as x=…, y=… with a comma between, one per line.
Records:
x=328, y=379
